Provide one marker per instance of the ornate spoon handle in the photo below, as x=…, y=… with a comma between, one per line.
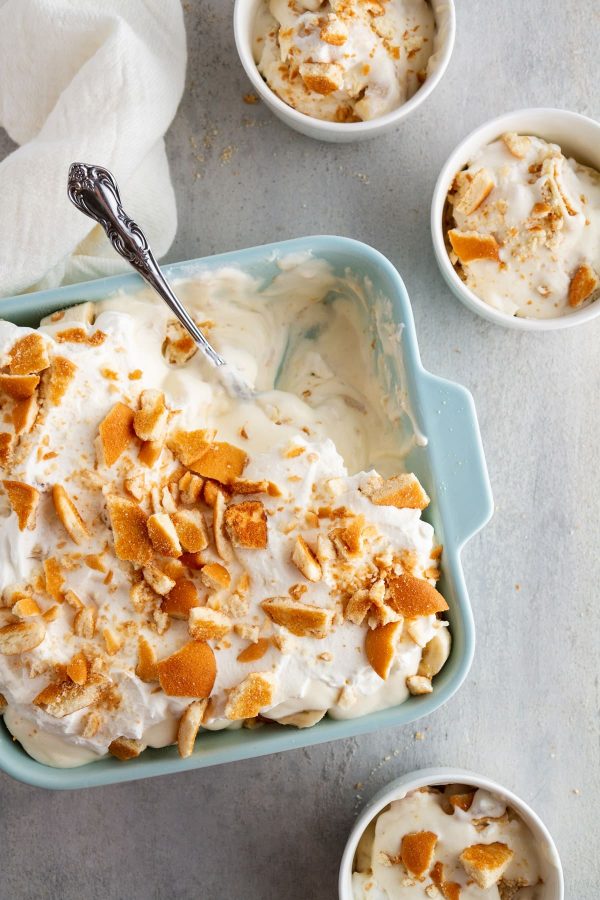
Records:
x=94, y=191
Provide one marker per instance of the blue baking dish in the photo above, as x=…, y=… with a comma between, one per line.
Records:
x=451, y=466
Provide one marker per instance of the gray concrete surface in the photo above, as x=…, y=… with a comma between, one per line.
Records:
x=528, y=714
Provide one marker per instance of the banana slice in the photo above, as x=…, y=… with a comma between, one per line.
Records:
x=303, y=719
x=435, y=654
x=82, y=312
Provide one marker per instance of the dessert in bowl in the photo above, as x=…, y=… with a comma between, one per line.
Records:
x=344, y=70
x=323, y=328
x=516, y=220
x=449, y=834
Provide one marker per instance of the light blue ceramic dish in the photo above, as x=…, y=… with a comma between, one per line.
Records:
x=451, y=467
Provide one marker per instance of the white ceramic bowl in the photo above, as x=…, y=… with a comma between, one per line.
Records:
x=578, y=137
x=551, y=866
x=244, y=16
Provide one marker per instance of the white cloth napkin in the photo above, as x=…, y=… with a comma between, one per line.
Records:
x=94, y=81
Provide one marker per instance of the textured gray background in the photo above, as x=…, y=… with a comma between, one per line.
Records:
x=527, y=716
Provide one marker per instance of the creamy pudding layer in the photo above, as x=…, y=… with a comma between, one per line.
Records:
x=172, y=558
x=344, y=60
x=524, y=230
x=456, y=843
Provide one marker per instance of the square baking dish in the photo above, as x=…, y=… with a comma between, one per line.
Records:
x=450, y=465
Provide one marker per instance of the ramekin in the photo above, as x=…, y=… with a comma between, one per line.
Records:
x=551, y=866
x=577, y=135
x=244, y=16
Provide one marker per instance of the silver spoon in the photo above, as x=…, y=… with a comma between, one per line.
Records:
x=94, y=191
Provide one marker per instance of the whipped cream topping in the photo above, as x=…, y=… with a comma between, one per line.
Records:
x=315, y=354
x=381, y=873
x=524, y=228
x=344, y=60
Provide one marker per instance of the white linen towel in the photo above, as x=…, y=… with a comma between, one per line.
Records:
x=95, y=81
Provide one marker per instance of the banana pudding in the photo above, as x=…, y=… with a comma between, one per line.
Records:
x=174, y=559
x=523, y=228
x=344, y=60
x=454, y=843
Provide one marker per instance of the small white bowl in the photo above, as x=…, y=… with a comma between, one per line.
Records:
x=551, y=866
x=244, y=16
x=577, y=136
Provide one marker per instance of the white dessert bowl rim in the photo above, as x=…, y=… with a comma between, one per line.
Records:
x=430, y=777
x=244, y=14
x=545, y=122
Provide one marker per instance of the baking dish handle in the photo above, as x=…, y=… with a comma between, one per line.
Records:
x=462, y=482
